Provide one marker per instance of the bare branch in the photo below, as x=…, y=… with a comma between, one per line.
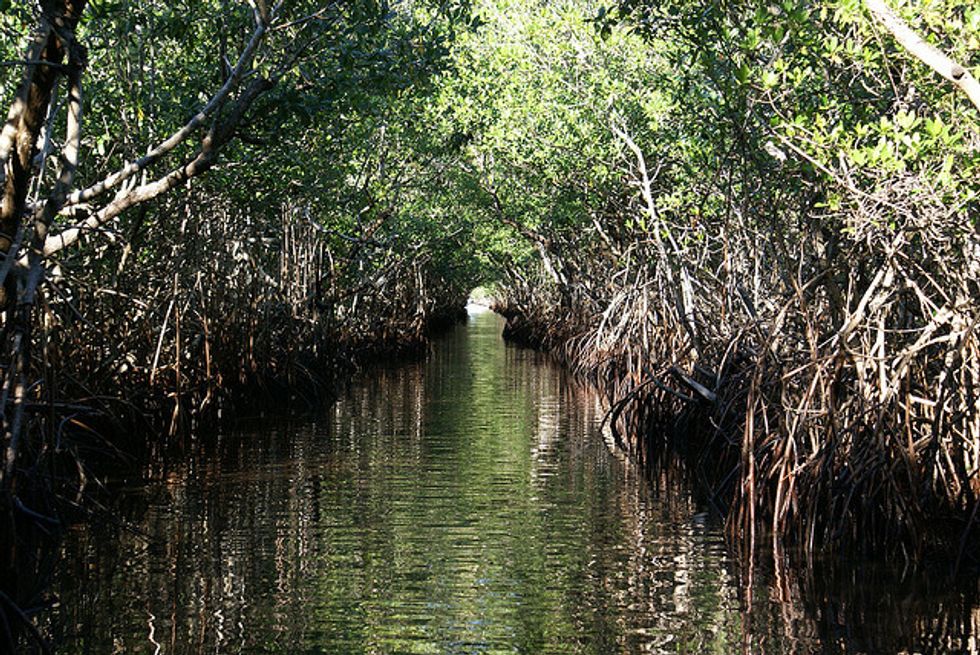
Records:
x=924, y=51
x=218, y=136
x=180, y=135
x=69, y=160
x=31, y=62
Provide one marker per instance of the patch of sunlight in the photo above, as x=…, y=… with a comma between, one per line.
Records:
x=475, y=308
x=479, y=301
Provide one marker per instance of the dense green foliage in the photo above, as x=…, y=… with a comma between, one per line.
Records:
x=307, y=234
x=785, y=257
x=306, y=246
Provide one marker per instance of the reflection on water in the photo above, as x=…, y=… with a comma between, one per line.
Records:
x=466, y=504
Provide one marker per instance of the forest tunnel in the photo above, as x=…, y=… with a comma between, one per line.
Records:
x=755, y=222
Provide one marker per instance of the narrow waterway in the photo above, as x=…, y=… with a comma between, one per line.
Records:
x=463, y=504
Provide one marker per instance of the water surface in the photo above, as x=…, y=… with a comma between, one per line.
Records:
x=463, y=504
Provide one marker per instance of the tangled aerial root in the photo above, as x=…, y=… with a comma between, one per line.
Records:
x=829, y=402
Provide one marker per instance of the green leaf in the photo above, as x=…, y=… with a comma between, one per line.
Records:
x=906, y=120
x=742, y=73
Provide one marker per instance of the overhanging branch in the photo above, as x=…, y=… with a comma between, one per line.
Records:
x=924, y=51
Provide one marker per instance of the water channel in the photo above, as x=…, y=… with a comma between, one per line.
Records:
x=466, y=503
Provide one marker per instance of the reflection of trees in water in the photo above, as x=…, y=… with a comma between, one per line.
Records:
x=845, y=609
x=663, y=579
x=456, y=506
x=867, y=608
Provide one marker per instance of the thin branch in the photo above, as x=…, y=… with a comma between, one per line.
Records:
x=206, y=157
x=924, y=51
x=180, y=135
x=32, y=62
x=69, y=160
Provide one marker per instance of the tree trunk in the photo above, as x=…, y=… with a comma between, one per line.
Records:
x=18, y=140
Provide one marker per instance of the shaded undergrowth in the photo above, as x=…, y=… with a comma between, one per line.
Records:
x=134, y=369
x=829, y=405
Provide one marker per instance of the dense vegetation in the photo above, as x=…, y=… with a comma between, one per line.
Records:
x=754, y=225
x=143, y=297
x=757, y=231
